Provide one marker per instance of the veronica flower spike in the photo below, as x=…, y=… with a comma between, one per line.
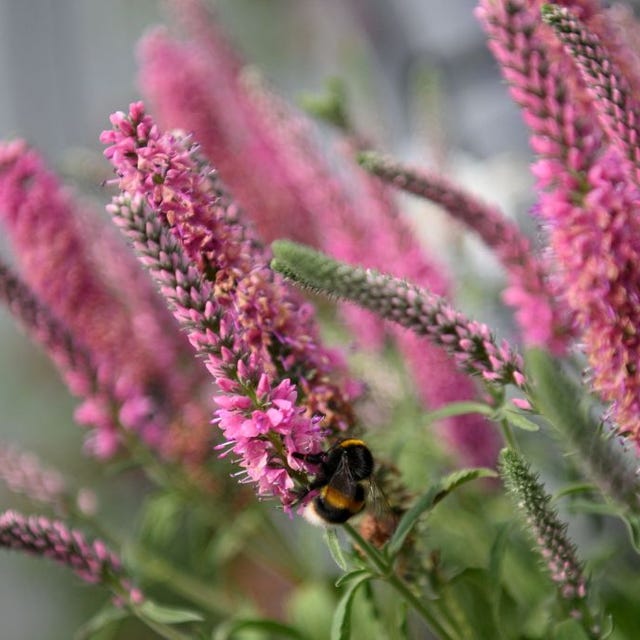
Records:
x=543, y=320
x=258, y=340
x=552, y=541
x=613, y=96
x=92, y=562
x=470, y=343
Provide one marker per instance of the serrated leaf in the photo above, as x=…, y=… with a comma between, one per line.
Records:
x=273, y=628
x=333, y=544
x=168, y=615
x=341, y=626
x=100, y=620
x=430, y=498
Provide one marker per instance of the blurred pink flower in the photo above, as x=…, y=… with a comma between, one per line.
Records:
x=268, y=156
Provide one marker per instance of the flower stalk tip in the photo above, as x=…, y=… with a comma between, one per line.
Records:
x=92, y=562
x=553, y=544
x=543, y=320
x=613, y=98
x=470, y=343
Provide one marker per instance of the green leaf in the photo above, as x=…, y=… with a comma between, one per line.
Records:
x=469, y=594
x=352, y=575
x=271, y=628
x=459, y=409
x=496, y=561
x=519, y=420
x=333, y=544
x=168, y=615
x=633, y=526
x=310, y=606
x=341, y=627
x=430, y=498
x=161, y=518
x=100, y=620
x=569, y=630
x=497, y=553
x=594, y=508
x=574, y=489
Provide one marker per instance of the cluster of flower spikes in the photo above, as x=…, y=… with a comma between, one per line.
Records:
x=581, y=111
x=258, y=338
x=267, y=153
x=94, y=311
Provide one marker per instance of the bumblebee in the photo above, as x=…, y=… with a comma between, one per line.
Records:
x=343, y=470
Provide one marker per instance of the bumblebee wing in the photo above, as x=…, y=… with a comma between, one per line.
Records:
x=342, y=479
x=378, y=502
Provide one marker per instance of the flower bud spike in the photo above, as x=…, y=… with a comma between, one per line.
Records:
x=470, y=343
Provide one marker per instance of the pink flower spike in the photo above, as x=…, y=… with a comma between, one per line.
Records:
x=253, y=331
x=92, y=562
x=254, y=138
x=102, y=299
x=613, y=95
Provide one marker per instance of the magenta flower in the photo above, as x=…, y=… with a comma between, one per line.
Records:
x=216, y=110
x=471, y=343
x=544, y=83
x=597, y=241
x=74, y=361
x=267, y=154
x=259, y=340
x=585, y=197
x=43, y=223
x=613, y=96
x=23, y=473
x=556, y=549
x=92, y=562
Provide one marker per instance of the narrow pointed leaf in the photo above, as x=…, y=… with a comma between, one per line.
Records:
x=341, y=627
x=333, y=544
x=168, y=615
x=106, y=616
x=431, y=497
x=271, y=628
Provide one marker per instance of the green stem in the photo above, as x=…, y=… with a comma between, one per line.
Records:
x=152, y=566
x=507, y=433
x=386, y=571
x=201, y=594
